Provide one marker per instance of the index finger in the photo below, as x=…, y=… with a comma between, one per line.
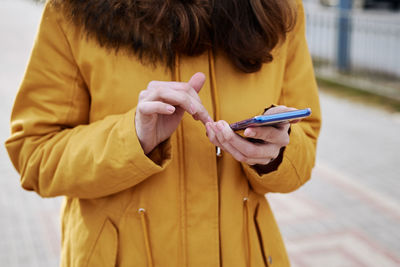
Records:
x=178, y=86
x=201, y=114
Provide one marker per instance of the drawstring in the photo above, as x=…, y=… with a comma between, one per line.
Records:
x=180, y=134
x=176, y=73
x=217, y=116
x=246, y=230
x=214, y=93
x=176, y=76
x=142, y=213
x=213, y=83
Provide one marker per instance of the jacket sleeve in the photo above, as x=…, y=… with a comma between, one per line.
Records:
x=52, y=144
x=300, y=91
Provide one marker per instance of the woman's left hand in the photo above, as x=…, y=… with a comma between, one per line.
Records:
x=273, y=138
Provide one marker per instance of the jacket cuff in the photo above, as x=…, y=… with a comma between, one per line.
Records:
x=161, y=154
x=156, y=161
x=270, y=167
x=285, y=177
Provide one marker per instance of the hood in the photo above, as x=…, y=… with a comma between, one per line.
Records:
x=152, y=29
x=157, y=29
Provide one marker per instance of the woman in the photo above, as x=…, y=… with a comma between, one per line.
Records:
x=124, y=107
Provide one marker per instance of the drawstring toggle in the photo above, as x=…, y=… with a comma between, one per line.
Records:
x=218, y=151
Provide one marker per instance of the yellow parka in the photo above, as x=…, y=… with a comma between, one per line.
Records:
x=73, y=134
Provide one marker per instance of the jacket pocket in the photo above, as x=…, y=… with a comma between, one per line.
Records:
x=259, y=235
x=270, y=239
x=105, y=249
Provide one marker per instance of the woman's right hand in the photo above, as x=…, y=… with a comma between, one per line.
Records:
x=161, y=107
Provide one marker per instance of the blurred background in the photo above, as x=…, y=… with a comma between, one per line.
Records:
x=347, y=215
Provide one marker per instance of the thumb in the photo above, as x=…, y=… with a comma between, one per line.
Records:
x=197, y=81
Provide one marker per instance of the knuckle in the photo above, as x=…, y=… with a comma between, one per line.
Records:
x=152, y=84
x=140, y=107
x=182, y=98
x=158, y=91
x=228, y=136
x=198, y=101
x=143, y=94
x=276, y=154
x=249, y=151
x=186, y=87
x=247, y=161
x=286, y=140
x=266, y=161
x=212, y=138
x=241, y=158
x=202, y=113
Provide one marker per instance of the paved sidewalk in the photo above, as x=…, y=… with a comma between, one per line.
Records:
x=348, y=215
x=29, y=225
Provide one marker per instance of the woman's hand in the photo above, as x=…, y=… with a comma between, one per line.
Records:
x=161, y=107
x=273, y=138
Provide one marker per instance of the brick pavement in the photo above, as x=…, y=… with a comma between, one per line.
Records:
x=347, y=215
x=336, y=221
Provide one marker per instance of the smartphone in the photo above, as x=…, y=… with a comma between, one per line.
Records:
x=272, y=119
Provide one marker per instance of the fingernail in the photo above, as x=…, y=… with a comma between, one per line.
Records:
x=209, y=119
x=171, y=109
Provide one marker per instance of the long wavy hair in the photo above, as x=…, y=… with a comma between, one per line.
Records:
x=155, y=30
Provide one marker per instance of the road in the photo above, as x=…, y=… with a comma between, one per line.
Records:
x=347, y=215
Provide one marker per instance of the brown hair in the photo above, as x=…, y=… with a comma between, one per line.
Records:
x=246, y=30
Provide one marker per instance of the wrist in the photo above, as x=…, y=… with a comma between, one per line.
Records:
x=271, y=166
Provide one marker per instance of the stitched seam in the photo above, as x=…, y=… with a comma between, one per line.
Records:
x=295, y=170
x=90, y=254
x=77, y=71
x=259, y=235
x=73, y=95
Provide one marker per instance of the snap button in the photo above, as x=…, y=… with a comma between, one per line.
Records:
x=218, y=151
x=141, y=210
x=269, y=260
x=245, y=199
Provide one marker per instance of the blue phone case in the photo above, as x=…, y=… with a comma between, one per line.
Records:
x=272, y=119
